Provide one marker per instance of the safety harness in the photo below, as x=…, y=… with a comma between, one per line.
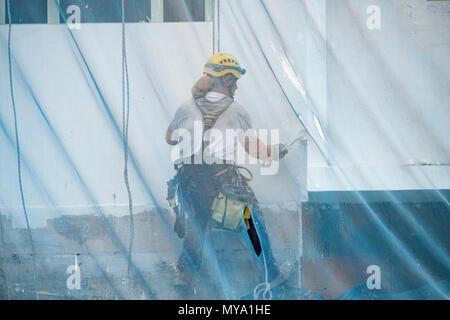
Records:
x=232, y=195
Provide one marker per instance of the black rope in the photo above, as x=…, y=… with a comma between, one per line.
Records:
x=125, y=121
x=214, y=25
x=19, y=169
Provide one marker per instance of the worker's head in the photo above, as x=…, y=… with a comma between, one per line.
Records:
x=225, y=70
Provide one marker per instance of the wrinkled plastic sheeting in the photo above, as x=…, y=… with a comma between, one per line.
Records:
x=373, y=101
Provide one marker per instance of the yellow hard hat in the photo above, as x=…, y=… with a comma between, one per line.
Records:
x=221, y=64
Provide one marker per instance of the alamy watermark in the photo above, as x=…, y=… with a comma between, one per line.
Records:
x=73, y=282
x=228, y=148
x=74, y=17
x=374, y=19
x=374, y=280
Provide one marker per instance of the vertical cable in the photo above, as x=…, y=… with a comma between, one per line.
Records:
x=19, y=169
x=125, y=121
x=214, y=24
x=218, y=25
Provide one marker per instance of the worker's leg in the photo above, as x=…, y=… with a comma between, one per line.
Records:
x=197, y=213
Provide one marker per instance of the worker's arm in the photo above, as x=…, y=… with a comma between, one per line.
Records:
x=169, y=134
x=259, y=150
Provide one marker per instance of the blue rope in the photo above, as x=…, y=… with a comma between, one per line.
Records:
x=125, y=121
x=19, y=169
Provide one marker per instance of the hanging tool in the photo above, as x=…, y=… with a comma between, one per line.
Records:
x=251, y=230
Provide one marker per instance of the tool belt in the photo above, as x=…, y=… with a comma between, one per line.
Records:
x=227, y=188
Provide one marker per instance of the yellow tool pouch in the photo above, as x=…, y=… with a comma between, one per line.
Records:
x=228, y=212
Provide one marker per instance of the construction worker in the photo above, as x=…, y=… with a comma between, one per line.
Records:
x=216, y=194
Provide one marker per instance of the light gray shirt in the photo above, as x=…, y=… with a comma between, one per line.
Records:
x=189, y=119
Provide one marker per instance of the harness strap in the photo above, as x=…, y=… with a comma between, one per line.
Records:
x=209, y=121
